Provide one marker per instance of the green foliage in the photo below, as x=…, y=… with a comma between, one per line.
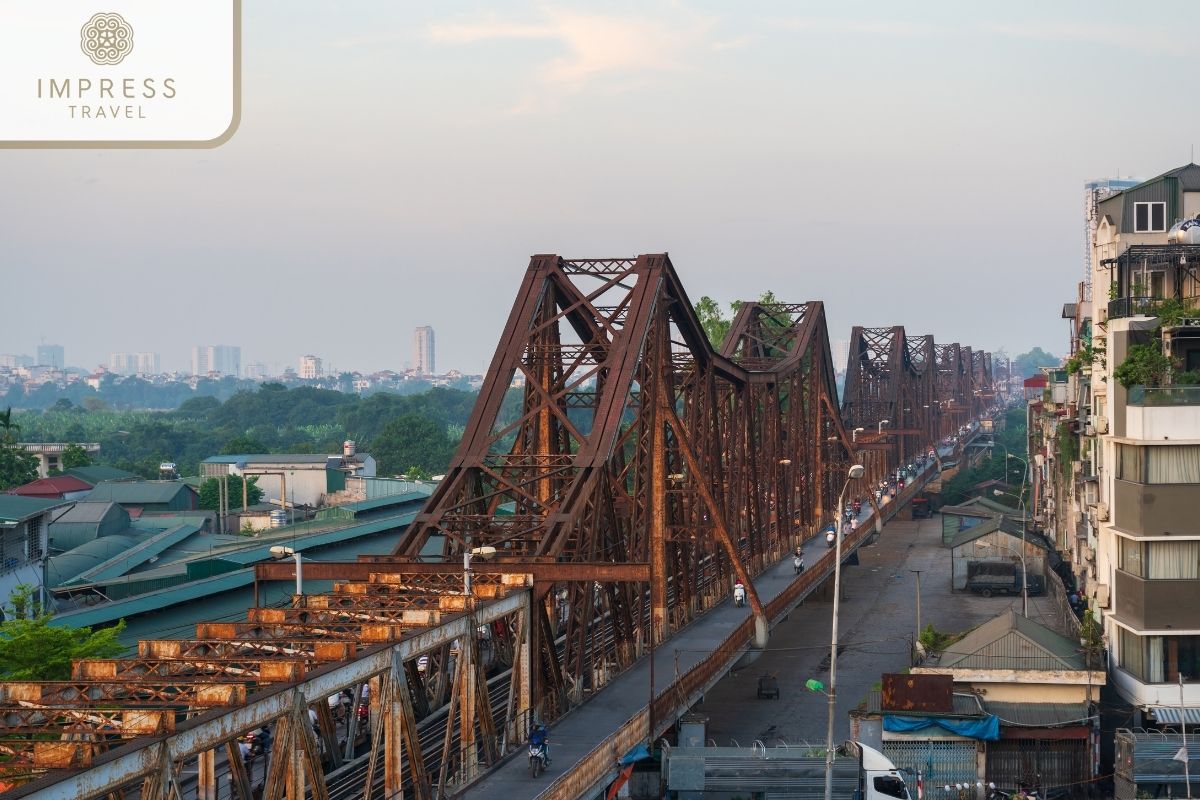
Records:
x=210, y=493
x=1171, y=311
x=1029, y=363
x=1068, y=449
x=1087, y=355
x=996, y=467
x=75, y=456
x=272, y=419
x=16, y=466
x=1144, y=365
x=934, y=640
x=412, y=441
x=418, y=473
x=713, y=320
x=32, y=650
x=8, y=428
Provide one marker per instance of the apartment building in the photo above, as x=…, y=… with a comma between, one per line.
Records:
x=423, y=351
x=1116, y=439
x=219, y=359
x=310, y=368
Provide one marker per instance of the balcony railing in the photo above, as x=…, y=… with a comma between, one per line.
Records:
x=1134, y=307
x=1164, y=396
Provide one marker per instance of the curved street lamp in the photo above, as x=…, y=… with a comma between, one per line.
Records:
x=855, y=472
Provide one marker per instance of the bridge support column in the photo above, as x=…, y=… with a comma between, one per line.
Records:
x=206, y=776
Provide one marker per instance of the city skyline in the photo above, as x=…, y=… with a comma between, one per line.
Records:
x=763, y=176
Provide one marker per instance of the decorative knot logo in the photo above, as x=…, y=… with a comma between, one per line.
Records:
x=106, y=38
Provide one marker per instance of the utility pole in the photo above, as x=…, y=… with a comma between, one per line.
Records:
x=918, y=572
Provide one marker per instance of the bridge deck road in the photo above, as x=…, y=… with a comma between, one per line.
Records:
x=576, y=734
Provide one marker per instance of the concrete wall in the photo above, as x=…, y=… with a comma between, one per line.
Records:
x=1162, y=423
x=1162, y=509
x=1158, y=605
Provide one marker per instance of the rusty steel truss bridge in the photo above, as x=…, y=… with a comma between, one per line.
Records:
x=620, y=472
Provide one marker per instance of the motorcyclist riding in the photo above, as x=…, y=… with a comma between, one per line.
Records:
x=539, y=737
x=798, y=562
x=739, y=594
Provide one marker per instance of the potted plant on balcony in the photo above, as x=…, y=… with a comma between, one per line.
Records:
x=1144, y=365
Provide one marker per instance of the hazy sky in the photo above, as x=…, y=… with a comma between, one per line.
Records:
x=397, y=163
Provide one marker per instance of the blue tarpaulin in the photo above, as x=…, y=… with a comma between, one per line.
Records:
x=636, y=754
x=986, y=729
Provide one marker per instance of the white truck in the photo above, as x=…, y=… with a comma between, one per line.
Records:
x=859, y=772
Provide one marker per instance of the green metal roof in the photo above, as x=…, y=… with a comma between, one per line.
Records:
x=14, y=508
x=170, y=586
x=135, y=556
x=97, y=473
x=63, y=568
x=138, y=492
x=363, y=506
x=1011, y=641
x=1001, y=523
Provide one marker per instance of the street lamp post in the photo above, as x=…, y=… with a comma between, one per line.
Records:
x=1024, y=573
x=280, y=551
x=854, y=474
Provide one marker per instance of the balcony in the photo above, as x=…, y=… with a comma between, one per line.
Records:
x=1160, y=413
x=1157, y=605
x=1134, y=307
x=1161, y=509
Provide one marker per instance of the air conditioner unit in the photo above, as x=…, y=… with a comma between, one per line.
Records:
x=1102, y=598
x=1092, y=516
x=1089, y=554
x=1101, y=425
x=1089, y=430
x=1102, y=512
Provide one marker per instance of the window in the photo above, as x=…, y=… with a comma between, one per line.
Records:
x=33, y=539
x=890, y=786
x=1149, y=217
x=1160, y=659
x=1160, y=561
x=1158, y=464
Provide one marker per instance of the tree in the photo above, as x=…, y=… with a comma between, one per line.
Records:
x=8, y=428
x=243, y=444
x=1029, y=363
x=713, y=320
x=210, y=493
x=33, y=650
x=412, y=440
x=16, y=466
x=75, y=455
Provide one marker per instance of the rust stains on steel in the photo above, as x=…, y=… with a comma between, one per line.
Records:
x=930, y=693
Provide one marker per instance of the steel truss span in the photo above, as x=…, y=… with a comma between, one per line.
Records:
x=618, y=473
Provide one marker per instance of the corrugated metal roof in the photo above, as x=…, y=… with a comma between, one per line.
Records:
x=88, y=511
x=1011, y=641
x=61, y=569
x=14, y=508
x=1169, y=715
x=128, y=559
x=1039, y=715
x=54, y=486
x=138, y=491
x=97, y=473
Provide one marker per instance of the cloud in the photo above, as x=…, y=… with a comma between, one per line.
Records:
x=732, y=44
x=596, y=46
x=877, y=27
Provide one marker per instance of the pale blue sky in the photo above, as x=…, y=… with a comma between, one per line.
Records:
x=397, y=163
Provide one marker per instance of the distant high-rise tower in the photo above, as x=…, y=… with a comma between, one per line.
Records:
x=222, y=359
x=133, y=363
x=423, y=350
x=50, y=355
x=839, y=351
x=310, y=367
x=1093, y=193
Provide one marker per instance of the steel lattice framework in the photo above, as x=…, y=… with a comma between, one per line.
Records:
x=626, y=473
x=637, y=442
